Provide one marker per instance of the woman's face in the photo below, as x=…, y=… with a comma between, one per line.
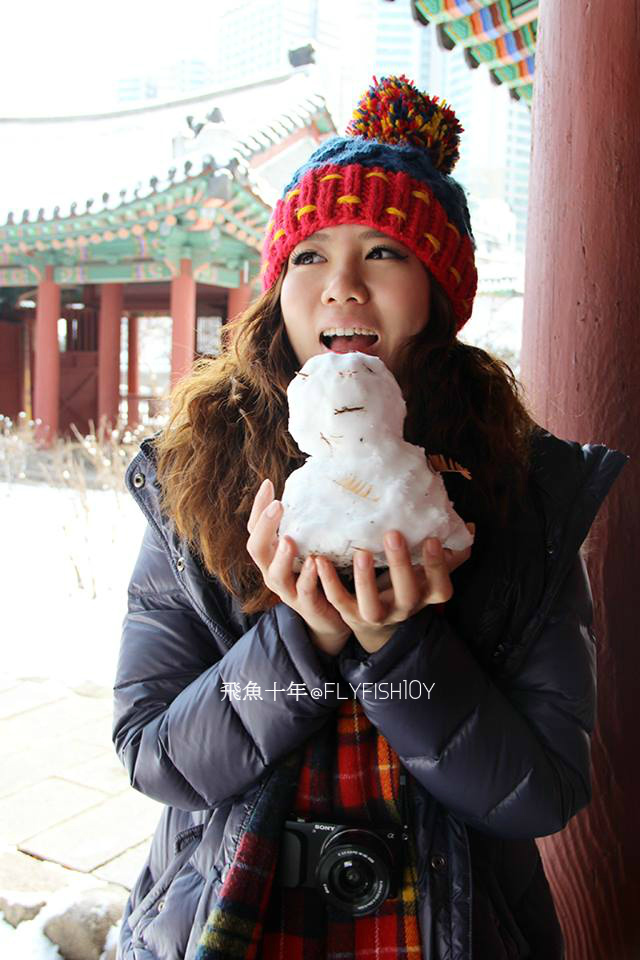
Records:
x=353, y=276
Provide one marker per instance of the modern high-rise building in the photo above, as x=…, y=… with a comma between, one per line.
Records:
x=169, y=82
x=495, y=145
x=252, y=38
x=517, y=166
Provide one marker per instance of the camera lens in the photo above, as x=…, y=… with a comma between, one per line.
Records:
x=353, y=871
x=351, y=879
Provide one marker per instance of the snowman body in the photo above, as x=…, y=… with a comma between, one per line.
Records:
x=361, y=478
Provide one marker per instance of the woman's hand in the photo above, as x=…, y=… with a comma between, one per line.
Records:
x=380, y=605
x=274, y=557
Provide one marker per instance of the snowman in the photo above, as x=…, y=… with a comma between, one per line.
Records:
x=361, y=477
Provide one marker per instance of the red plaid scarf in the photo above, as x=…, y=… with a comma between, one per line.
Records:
x=349, y=772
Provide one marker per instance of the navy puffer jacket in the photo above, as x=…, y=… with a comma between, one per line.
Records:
x=498, y=755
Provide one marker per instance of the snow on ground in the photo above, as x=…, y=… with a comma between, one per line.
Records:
x=27, y=941
x=65, y=565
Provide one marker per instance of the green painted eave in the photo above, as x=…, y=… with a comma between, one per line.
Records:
x=212, y=218
x=498, y=34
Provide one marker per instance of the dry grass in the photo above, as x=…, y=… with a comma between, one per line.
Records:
x=97, y=460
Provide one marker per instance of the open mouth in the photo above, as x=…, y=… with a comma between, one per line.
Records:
x=349, y=339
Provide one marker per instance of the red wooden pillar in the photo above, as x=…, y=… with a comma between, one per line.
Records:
x=46, y=389
x=109, y=352
x=580, y=359
x=133, y=379
x=239, y=299
x=183, y=314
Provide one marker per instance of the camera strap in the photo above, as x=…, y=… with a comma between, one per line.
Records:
x=404, y=804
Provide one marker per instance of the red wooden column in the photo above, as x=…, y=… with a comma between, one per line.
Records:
x=133, y=377
x=183, y=314
x=46, y=388
x=239, y=299
x=580, y=361
x=109, y=352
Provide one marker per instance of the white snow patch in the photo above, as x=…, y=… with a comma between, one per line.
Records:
x=65, y=568
x=112, y=939
x=28, y=941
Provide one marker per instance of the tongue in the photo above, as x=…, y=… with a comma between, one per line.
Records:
x=359, y=341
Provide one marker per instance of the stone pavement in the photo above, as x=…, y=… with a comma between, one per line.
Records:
x=64, y=796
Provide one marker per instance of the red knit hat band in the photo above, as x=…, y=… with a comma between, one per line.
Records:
x=390, y=201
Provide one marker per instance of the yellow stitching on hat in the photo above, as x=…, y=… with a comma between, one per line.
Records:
x=265, y=267
x=396, y=212
x=310, y=207
x=277, y=235
x=421, y=195
x=292, y=193
x=456, y=274
x=377, y=173
x=349, y=198
x=435, y=243
x=331, y=176
x=270, y=226
x=455, y=229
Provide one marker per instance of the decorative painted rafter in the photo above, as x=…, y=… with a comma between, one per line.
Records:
x=501, y=34
x=140, y=238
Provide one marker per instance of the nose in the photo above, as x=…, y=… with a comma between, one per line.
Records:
x=345, y=284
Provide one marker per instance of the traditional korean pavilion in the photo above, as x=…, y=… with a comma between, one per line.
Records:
x=185, y=244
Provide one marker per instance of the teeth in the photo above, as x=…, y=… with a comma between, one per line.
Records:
x=348, y=332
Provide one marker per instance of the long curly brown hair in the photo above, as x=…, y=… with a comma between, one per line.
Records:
x=227, y=430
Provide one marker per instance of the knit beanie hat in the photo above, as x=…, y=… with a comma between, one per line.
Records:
x=390, y=171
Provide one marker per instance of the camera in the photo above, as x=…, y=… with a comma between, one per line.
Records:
x=353, y=868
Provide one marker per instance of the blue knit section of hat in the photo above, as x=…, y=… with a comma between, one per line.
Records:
x=395, y=157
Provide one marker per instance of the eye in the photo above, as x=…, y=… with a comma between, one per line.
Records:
x=304, y=257
x=386, y=253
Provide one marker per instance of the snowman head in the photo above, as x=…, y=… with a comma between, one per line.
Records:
x=340, y=402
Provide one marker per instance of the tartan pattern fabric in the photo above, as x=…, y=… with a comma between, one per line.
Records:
x=234, y=927
x=347, y=773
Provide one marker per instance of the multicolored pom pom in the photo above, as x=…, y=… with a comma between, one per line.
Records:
x=393, y=110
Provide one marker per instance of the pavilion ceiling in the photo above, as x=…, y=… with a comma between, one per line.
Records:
x=499, y=35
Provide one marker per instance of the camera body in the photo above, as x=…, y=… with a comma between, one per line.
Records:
x=354, y=868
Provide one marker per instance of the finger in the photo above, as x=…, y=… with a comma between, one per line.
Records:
x=262, y=498
x=263, y=541
x=307, y=586
x=337, y=595
x=371, y=608
x=280, y=577
x=406, y=588
x=308, y=579
x=439, y=586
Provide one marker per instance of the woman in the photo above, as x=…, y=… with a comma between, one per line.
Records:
x=370, y=248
